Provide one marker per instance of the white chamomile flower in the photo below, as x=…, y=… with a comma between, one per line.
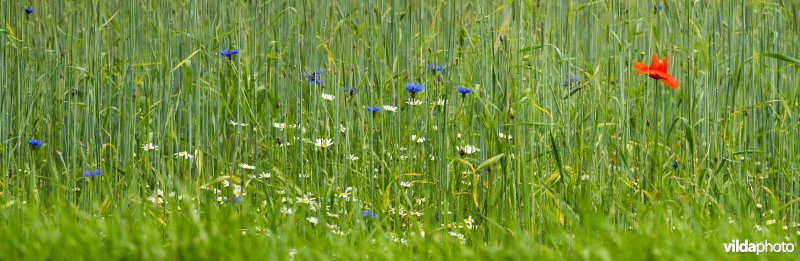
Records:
x=417, y=139
x=353, y=157
x=346, y=194
x=468, y=222
x=233, y=123
x=389, y=108
x=265, y=175
x=313, y=220
x=149, y=147
x=405, y=184
x=184, y=154
x=323, y=143
x=247, y=167
x=468, y=150
x=327, y=97
x=279, y=125
x=414, y=102
x=440, y=102
x=305, y=200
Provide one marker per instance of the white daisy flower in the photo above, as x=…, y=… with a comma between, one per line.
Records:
x=323, y=143
x=353, y=157
x=265, y=175
x=467, y=150
x=456, y=235
x=245, y=166
x=417, y=139
x=233, y=123
x=305, y=200
x=156, y=200
x=469, y=221
x=313, y=220
x=279, y=125
x=327, y=97
x=237, y=191
x=504, y=136
x=149, y=147
x=414, y=102
x=389, y=108
x=406, y=184
x=184, y=154
x=440, y=102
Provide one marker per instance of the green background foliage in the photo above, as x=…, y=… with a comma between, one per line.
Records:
x=611, y=166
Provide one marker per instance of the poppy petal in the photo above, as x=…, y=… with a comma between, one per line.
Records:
x=658, y=75
x=641, y=67
x=663, y=65
x=667, y=79
x=670, y=81
x=654, y=64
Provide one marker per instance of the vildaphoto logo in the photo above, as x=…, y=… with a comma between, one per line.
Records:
x=746, y=247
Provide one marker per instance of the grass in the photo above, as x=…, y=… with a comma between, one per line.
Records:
x=609, y=166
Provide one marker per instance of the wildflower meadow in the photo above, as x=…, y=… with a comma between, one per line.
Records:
x=399, y=130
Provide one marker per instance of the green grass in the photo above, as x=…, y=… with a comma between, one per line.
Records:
x=613, y=167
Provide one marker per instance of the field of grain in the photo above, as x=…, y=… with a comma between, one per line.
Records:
x=355, y=130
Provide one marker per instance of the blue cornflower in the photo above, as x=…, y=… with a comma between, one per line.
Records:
x=572, y=80
x=28, y=10
x=229, y=53
x=35, y=143
x=313, y=78
x=413, y=88
x=368, y=213
x=656, y=8
x=351, y=91
x=464, y=91
x=94, y=173
x=373, y=110
x=435, y=68
x=237, y=199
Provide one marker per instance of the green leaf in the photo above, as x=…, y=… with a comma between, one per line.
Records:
x=185, y=60
x=462, y=161
x=557, y=157
x=781, y=57
x=489, y=162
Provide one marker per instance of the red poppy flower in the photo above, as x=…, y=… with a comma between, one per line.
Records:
x=657, y=70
